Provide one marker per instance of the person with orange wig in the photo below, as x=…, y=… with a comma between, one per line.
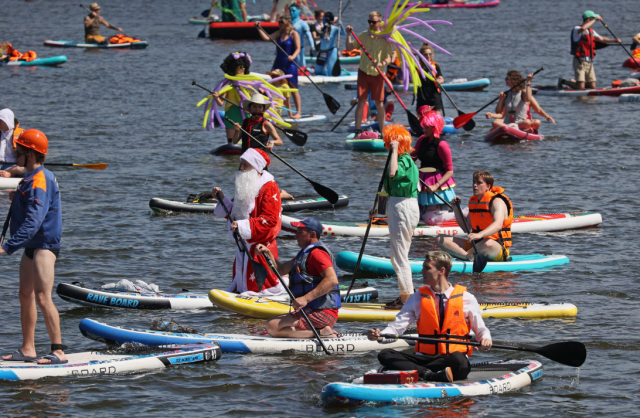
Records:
x=401, y=183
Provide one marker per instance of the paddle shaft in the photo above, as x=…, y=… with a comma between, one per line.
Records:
x=337, y=69
x=637, y=61
x=439, y=341
x=436, y=194
x=90, y=11
x=505, y=92
x=366, y=233
x=345, y=115
x=203, y=32
x=6, y=224
x=304, y=314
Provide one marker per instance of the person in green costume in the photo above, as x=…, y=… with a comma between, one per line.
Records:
x=232, y=10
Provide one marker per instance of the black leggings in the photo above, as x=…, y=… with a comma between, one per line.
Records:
x=398, y=360
x=30, y=251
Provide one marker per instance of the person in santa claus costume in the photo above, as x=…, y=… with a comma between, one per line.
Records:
x=255, y=213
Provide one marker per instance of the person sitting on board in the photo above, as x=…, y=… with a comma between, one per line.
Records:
x=490, y=217
x=513, y=107
x=256, y=212
x=256, y=125
x=233, y=10
x=436, y=169
x=328, y=52
x=583, y=49
x=369, y=80
x=313, y=280
x=289, y=40
x=317, y=28
x=429, y=93
x=304, y=33
x=92, y=23
x=36, y=226
x=9, y=133
x=401, y=185
x=441, y=310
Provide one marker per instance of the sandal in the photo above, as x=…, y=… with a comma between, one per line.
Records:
x=394, y=305
x=19, y=356
x=54, y=360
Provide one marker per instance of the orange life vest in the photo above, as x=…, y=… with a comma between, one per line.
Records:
x=481, y=218
x=121, y=39
x=454, y=323
x=15, y=55
x=16, y=134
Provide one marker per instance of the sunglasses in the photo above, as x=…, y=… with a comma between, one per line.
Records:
x=371, y=22
x=429, y=55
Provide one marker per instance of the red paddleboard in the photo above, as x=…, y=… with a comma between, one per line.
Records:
x=508, y=134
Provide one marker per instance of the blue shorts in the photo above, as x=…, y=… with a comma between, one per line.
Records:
x=428, y=198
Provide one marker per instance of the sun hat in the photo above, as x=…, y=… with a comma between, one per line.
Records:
x=256, y=98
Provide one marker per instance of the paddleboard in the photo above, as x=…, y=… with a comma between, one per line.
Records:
x=446, y=129
x=506, y=133
x=367, y=145
x=466, y=5
x=343, y=60
x=71, y=44
x=324, y=79
x=227, y=149
x=77, y=293
x=9, y=183
x=473, y=85
x=234, y=343
x=488, y=378
x=51, y=61
x=95, y=363
x=306, y=119
x=553, y=91
x=347, y=260
x=301, y=202
x=374, y=312
x=240, y=30
x=549, y=222
x=629, y=98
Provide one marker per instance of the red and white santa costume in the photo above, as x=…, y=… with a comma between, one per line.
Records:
x=262, y=227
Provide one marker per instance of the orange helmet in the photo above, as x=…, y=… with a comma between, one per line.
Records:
x=34, y=139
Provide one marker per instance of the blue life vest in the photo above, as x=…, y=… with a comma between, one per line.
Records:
x=301, y=282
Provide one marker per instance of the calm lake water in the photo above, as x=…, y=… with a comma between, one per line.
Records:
x=136, y=111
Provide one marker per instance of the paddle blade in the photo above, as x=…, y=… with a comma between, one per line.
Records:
x=205, y=13
x=479, y=263
x=336, y=68
x=332, y=103
x=469, y=125
x=297, y=137
x=570, y=353
x=325, y=192
x=202, y=33
x=414, y=123
x=462, y=120
x=260, y=273
x=98, y=166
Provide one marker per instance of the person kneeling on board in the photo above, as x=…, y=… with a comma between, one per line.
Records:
x=441, y=310
x=490, y=217
x=257, y=125
x=256, y=216
x=313, y=281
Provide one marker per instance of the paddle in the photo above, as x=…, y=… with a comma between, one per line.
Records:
x=413, y=119
x=435, y=194
x=97, y=166
x=345, y=115
x=323, y=191
x=479, y=261
x=337, y=70
x=304, y=314
x=467, y=126
x=258, y=269
x=332, y=103
x=462, y=120
x=366, y=233
x=6, y=224
x=569, y=353
x=636, y=60
x=90, y=11
x=297, y=137
x=203, y=33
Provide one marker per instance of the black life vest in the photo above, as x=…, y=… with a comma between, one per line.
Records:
x=257, y=131
x=428, y=155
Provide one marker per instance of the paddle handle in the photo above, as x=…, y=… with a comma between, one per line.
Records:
x=505, y=92
x=623, y=47
x=304, y=314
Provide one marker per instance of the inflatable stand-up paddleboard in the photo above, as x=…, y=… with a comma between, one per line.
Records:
x=49, y=62
x=70, y=44
x=613, y=91
x=506, y=134
x=467, y=5
x=239, y=30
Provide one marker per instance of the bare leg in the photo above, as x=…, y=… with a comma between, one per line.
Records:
x=454, y=246
x=524, y=125
x=360, y=111
x=536, y=124
x=298, y=102
x=230, y=133
x=591, y=85
x=286, y=326
x=381, y=118
x=574, y=84
x=497, y=123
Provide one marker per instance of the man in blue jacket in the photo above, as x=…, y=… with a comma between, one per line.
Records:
x=36, y=226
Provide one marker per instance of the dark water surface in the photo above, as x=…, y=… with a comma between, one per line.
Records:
x=136, y=111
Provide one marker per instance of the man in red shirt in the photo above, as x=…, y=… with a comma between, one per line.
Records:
x=314, y=283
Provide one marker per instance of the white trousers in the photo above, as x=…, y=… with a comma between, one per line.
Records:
x=403, y=215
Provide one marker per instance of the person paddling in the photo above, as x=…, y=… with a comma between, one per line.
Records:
x=256, y=125
x=36, y=226
x=490, y=218
x=583, y=49
x=440, y=310
x=313, y=280
x=513, y=107
x=328, y=52
x=9, y=133
x=92, y=23
x=429, y=93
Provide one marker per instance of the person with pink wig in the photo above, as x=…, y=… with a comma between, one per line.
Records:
x=436, y=169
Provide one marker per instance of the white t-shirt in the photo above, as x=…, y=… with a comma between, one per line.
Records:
x=576, y=35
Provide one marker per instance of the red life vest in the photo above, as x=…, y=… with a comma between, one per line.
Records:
x=453, y=324
x=585, y=47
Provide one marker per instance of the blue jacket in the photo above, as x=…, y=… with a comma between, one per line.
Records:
x=36, y=215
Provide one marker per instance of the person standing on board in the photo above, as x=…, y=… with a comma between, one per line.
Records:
x=490, y=218
x=92, y=24
x=36, y=226
x=256, y=212
x=328, y=52
x=369, y=80
x=233, y=10
x=583, y=49
x=304, y=33
x=314, y=283
x=429, y=93
x=440, y=310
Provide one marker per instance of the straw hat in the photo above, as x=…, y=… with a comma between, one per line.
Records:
x=94, y=6
x=256, y=98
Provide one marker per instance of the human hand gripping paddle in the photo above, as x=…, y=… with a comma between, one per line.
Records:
x=332, y=103
x=258, y=269
x=118, y=28
x=636, y=60
x=413, y=119
x=569, y=353
x=366, y=233
x=274, y=269
x=97, y=166
x=462, y=120
x=297, y=137
x=323, y=191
